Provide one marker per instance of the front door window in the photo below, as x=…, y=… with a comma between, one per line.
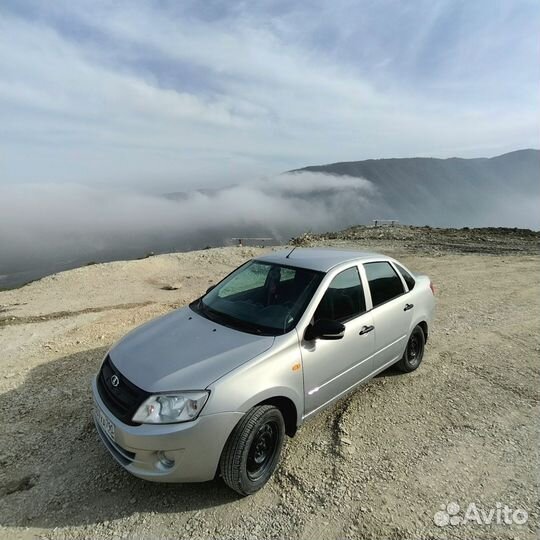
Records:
x=344, y=298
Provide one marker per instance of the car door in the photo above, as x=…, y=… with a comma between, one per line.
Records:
x=331, y=367
x=391, y=312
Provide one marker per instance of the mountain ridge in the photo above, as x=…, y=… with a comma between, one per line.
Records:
x=519, y=151
x=502, y=190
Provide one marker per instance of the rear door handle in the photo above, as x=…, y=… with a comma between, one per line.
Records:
x=408, y=306
x=366, y=329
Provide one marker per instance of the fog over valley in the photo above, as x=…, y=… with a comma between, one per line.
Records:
x=48, y=227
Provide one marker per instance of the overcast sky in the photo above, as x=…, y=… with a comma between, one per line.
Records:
x=167, y=95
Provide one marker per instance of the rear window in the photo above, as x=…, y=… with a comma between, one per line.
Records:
x=384, y=283
x=409, y=280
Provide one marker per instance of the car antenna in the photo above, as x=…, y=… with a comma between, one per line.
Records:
x=289, y=254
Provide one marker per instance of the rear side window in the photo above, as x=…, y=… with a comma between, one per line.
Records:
x=384, y=283
x=344, y=298
x=409, y=280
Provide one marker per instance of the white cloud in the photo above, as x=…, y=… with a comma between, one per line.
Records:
x=89, y=103
x=55, y=222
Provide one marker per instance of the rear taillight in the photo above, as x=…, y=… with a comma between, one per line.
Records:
x=432, y=287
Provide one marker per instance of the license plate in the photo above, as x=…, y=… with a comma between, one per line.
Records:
x=106, y=425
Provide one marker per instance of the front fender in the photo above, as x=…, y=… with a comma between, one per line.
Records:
x=275, y=373
x=276, y=392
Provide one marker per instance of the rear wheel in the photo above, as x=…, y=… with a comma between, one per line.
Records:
x=414, y=352
x=252, y=451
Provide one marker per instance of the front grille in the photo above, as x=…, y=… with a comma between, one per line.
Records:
x=122, y=400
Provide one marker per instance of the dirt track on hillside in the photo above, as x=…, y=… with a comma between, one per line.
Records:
x=463, y=428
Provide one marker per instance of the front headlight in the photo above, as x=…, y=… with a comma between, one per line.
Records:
x=171, y=408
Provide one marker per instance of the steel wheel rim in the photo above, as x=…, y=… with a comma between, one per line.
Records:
x=262, y=450
x=414, y=350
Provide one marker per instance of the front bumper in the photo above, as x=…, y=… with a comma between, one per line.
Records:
x=191, y=449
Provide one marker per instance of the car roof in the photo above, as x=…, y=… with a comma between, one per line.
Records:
x=320, y=259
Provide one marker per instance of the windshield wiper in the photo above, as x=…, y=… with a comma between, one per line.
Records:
x=244, y=325
x=233, y=322
x=205, y=311
x=228, y=320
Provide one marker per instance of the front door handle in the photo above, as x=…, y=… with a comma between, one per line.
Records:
x=408, y=306
x=366, y=329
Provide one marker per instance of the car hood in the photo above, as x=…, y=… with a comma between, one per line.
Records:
x=183, y=351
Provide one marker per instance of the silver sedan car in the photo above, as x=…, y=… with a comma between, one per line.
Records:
x=213, y=388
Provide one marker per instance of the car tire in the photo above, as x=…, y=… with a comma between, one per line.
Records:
x=414, y=352
x=253, y=449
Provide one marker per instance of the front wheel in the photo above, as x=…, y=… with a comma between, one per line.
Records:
x=252, y=450
x=414, y=352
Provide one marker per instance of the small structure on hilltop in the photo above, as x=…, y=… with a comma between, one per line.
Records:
x=390, y=222
x=240, y=241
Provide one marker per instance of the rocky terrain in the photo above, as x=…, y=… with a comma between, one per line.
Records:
x=430, y=240
x=382, y=463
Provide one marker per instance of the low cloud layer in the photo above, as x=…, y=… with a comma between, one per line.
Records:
x=64, y=222
x=48, y=227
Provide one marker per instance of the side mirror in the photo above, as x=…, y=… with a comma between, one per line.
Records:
x=209, y=289
x=324, y=329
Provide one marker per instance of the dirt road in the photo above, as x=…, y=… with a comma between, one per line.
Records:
x=380, y=464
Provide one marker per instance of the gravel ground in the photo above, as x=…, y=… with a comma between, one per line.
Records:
x=380, y=464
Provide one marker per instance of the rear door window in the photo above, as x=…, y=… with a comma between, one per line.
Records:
x=384, y=283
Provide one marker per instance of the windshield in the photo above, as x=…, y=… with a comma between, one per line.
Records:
x=260, y=297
